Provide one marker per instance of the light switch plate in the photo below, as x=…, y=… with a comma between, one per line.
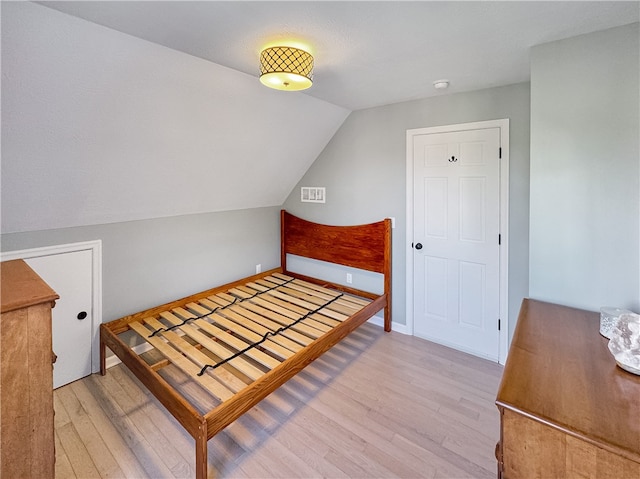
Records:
x=313, y=194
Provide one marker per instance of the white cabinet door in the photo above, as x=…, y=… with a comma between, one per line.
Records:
x=70, y=275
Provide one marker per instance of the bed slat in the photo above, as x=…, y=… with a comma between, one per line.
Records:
x=339, y=305
x=237, y=343
x=268, y=301
x=251, y=336
x=209, y=384
x=359, y=301
x=256, y=328
x=314, y=302
x=301, y=327
x=282, y=307
x=299, y=311
x=226, y=377
x=272, y=325
x=218, y=348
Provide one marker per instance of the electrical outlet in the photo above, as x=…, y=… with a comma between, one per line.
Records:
x=258, y=268
x=349, y=278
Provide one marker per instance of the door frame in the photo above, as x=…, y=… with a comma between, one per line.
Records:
x=96, y=291
x=503, y=125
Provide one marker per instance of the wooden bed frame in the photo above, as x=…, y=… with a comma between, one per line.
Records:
x=243, y=340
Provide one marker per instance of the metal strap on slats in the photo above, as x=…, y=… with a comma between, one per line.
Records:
x=266, y=336
x=236, y=300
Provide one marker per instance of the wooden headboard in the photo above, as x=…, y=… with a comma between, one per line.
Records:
x=366, y=247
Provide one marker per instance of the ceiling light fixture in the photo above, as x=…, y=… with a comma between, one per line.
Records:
x=286, y=68
x=441, y=84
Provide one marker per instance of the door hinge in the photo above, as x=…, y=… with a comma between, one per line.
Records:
x=498, y=324
x=499, y=239
x=500, y=152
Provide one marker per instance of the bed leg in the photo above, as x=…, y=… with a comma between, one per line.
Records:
x=387, y=319
x=201, y=452
x=103, y=358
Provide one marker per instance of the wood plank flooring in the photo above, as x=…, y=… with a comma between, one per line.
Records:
x=376, y=405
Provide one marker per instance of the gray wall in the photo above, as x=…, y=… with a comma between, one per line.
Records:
x=364, y=170
x=584, y=170
x=151, y=262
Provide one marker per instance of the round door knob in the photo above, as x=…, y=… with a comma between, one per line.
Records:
x=82, y=315
x=418, y=245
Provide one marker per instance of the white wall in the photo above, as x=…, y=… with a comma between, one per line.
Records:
x=585, y=163
x=102, y=127
x=364, y=170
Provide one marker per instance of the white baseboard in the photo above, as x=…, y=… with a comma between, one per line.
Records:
x=399, y=328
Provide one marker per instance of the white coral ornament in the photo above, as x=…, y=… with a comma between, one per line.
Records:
x=625, y=343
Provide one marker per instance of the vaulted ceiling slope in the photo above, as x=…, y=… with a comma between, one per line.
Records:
x=367, y=53
x=100, y=126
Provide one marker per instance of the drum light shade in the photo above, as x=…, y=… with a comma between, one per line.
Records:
x=286, y=68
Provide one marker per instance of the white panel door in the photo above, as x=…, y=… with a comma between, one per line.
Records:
x=456, y=250
x=70, y=275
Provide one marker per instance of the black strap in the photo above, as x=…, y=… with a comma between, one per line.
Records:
x=236, y=299
x=266, y=336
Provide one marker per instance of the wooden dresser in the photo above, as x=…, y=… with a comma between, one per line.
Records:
x=566, y=409
x=26, y=374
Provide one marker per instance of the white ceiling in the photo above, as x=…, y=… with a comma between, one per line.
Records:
x=367, y=53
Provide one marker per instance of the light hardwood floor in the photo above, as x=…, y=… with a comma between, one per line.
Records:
x=376, y=405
